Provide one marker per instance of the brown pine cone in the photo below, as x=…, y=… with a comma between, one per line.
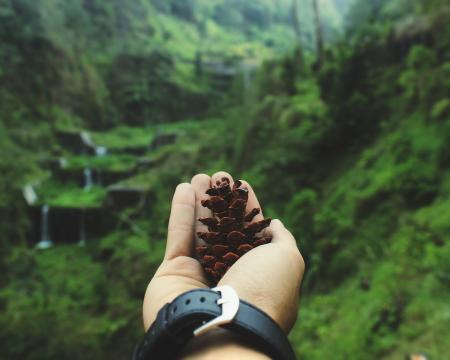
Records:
x=231, y=232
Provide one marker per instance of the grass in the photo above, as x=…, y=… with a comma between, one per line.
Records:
x=110, y=162
x=123, y=137
x=56, y=195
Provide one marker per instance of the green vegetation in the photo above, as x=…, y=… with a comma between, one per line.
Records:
x=353, y=154
x=124, y=137
x=117, y=163
x=71, y=196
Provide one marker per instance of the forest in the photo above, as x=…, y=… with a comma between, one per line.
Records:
x=336, y=111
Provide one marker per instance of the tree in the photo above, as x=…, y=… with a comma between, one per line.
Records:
x=296, y=21
x=319, y=35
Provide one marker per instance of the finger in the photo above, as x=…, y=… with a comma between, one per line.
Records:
x=180, y=234
x=281, y=235
x=252, y=201
x=218, y=176
x=201, y=183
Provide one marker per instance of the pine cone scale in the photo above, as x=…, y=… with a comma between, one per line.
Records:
x=231, y=232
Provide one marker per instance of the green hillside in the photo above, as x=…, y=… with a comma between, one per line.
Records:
x=106, y=106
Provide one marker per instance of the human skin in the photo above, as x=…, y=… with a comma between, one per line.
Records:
x=268, y=276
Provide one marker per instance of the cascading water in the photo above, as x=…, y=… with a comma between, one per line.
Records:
x=87, y=179
x=247, y=71
x=100, y=151
x=82, y=240
x=45, y=242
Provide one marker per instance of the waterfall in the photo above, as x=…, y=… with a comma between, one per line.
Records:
x=87, y=179
x=100, y=151
x=82, y=240
x=247, y=70
x=45, y=242
x=29, y=194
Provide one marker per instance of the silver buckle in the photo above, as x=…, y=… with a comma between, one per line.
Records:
x=230, y=305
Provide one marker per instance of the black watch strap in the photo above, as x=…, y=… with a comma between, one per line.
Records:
x=176, y=322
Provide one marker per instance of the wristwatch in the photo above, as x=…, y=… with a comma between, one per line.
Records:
x=198, y=311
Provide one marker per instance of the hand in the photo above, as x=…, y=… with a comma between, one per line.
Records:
x=268, y=276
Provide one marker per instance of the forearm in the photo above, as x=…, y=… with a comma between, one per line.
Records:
x=220, y=344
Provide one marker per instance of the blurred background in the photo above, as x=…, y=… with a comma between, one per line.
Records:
x=337, y=112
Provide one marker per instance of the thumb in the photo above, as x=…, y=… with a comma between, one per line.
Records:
x=281, y=235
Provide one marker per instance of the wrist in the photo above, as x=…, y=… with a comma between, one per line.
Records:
x=197, y=314
x=220, y=344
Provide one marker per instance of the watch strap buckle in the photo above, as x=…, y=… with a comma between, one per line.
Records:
x=229, y=300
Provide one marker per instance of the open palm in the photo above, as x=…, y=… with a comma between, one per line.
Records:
x=269, y=276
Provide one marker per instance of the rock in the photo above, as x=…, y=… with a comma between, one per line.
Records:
x=120, y=197
x=163, y=139
x=76, y=142
x=147, y=163
x=69, y=225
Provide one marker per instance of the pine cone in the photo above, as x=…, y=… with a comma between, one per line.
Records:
x=231, y=232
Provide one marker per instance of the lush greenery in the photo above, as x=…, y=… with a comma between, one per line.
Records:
x=352, y=152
